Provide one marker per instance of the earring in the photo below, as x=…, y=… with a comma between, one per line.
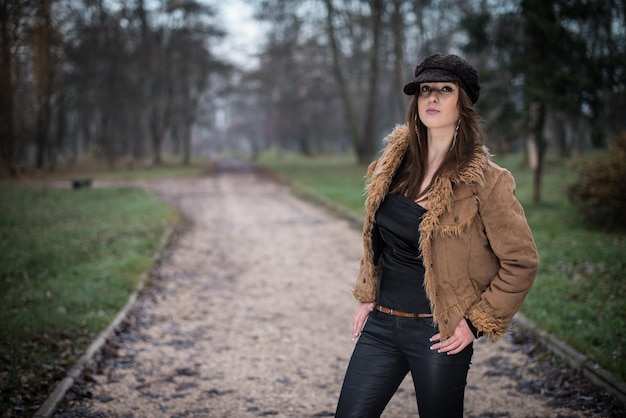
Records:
x=417, y=132
x=456, y=132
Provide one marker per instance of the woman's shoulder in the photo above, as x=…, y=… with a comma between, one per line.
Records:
x=494, y=172
x=482, y=173
x=483, y=166
x=496, y=177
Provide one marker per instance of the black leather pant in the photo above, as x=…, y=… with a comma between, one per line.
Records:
x=388, y=348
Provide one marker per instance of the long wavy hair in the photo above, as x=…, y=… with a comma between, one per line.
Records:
x=413, y=169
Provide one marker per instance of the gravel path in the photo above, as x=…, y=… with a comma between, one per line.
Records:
x=249, y=315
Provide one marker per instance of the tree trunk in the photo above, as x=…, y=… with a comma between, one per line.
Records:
x=157, y=140
x=107, y=144
x=186, y=139
x=368, y=150
x=7, y=127
x=341, y=82
x=44, y=77
x=400, y=77
x=560, y=133
x=536, y=14
x=536, y=145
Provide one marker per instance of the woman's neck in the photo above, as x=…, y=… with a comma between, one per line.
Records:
x=439, y=142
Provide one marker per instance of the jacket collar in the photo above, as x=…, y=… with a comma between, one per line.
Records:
x=441, y=196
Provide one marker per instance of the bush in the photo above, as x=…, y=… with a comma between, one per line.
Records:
x=600, y=191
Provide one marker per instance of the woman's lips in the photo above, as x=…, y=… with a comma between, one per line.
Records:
x=432, y=111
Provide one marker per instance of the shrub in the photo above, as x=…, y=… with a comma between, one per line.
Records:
x=600, y=191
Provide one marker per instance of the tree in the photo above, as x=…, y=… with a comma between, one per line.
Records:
x=13, y=15
x=137, y=75
x=44, y=69
x=291, y=91
x=9, y=14
x=400, y=78
x=361, y=45
x=135, y=78
x=192, y=65
x=364, y=140
x=573, y=70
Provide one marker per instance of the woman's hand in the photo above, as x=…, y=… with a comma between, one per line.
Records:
x=461, y=338
x=359, y=317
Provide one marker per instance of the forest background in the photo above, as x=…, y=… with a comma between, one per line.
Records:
x=123, y=82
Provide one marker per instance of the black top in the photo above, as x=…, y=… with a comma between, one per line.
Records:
x=401, y=284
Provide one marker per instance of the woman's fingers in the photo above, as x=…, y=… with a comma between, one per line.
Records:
x=461, y=338
x=361, y=312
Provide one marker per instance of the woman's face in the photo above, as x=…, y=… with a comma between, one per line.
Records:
x=437, y=105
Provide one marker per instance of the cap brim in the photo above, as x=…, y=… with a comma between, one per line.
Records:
x=410, y=88
x=436, y=75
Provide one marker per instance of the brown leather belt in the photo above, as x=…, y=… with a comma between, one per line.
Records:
x=400, y=313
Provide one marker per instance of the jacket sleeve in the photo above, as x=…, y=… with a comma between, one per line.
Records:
x=512, y=243
x=365, y=288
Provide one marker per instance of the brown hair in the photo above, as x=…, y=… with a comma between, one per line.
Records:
x=413, y=168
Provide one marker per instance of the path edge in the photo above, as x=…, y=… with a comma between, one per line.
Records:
x=47, y=409
x=577, y=361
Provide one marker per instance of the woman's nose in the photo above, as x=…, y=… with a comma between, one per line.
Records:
x=433, y=96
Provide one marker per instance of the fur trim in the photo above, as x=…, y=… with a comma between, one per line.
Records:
x=380, y=173
x=493, y=327
x=456, y=230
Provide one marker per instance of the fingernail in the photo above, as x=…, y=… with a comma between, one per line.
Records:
x=431, y=347
x=430, y=339
x=439, y=351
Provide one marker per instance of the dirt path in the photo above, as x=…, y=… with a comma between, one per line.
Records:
x=250, y=316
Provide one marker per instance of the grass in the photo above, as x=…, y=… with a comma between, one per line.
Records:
x=580, y=291
x=335, y=177
x=68, y=263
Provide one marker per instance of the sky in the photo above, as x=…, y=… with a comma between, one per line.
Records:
x=244, y=33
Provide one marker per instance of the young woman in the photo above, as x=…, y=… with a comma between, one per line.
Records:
x=448, y=254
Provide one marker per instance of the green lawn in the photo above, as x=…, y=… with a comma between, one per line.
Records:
x=580, y=292
x=69, y=261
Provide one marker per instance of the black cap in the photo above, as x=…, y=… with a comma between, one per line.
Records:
x=443, y=67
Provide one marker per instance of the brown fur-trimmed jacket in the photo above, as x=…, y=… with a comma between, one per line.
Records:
x=479, y=255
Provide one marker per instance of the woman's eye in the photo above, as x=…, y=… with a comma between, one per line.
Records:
x=425, y=89
x=446, y=89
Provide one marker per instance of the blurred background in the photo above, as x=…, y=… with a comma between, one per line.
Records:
x=126, y=82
